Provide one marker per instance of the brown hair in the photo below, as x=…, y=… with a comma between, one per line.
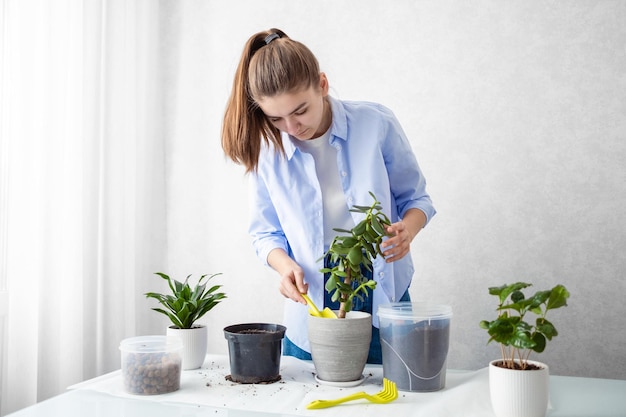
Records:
x=271, y=64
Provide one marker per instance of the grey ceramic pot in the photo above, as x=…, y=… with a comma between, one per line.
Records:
x=339, y=347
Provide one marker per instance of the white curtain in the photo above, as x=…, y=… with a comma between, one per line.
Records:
x=82, y=212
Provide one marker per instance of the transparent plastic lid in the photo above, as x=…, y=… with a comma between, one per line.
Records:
x=147, y=344
x=414, y=310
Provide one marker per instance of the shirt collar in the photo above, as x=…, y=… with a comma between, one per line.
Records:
x=338, y=128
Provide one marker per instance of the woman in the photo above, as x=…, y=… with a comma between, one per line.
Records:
x=310, y=158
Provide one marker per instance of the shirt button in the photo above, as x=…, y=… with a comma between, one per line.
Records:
x=344, y=174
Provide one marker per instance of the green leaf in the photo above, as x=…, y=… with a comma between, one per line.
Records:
x=546, y=328
x=378, y=228
x=349, y=241
x=354, y=249
x=331, y=283
x=504, y=291
x=558, y=297
x=371, y=284
x=369, y=235
x=338, y=272
x=540, y=342
x=517, y=296
x=539, y=298
x=359, y=229
x=186, y=304
x=338, y=249
x=517, y=336
x=370, y=251
x=522, y=340
x=355, y=255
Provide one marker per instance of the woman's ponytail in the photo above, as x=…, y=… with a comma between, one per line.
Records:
x=280, y=65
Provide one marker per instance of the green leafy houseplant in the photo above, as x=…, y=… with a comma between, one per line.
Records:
x=353, y=248
x=186, y=304
x=518, y=338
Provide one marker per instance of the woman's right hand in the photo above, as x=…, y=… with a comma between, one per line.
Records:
x=291, y=275
x=292, y=285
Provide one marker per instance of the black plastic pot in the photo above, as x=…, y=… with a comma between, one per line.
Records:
x=254, y=350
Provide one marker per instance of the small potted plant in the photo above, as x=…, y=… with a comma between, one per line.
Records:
x=350, y=251
x=334, y=360
x=515, y=376
x=184, y=306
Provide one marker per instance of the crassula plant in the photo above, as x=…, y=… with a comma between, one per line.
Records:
x=351, y=250
x=517, y=337
x=186, y=304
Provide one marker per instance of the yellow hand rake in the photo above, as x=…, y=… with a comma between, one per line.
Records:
x=387, y=395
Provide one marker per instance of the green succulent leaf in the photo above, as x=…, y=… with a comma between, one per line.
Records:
x=378, y=228
x=331, y=283
x=355, y=255
x=352, y=250
x=350, y=241
x=186, y=304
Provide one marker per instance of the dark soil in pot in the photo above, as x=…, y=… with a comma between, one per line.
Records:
x=518, y=367
x=254, y=351
x=414, y=356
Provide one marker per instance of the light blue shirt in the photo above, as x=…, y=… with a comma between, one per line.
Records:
x=373, y=154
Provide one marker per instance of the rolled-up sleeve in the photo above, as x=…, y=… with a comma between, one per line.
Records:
x=264, y=225
x=406, y=180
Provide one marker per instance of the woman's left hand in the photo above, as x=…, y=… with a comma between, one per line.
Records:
x=401, y=234
x=398, y=244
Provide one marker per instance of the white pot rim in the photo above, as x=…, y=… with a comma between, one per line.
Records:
x=194, y=327
x=357, y=315
x=350, y=315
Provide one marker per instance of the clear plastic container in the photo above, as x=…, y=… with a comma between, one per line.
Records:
x=414, y=338
x=151, y=364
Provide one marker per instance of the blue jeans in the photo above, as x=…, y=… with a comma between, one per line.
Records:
x=375, y=354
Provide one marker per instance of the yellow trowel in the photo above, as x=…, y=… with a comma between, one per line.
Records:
x=314, y=311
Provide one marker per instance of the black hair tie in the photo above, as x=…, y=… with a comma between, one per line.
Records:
x=269, y=38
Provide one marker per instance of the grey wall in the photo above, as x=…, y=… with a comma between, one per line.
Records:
x=515, y=111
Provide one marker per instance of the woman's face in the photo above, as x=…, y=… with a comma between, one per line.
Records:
x=304, y=114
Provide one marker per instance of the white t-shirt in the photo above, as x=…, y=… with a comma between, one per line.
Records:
x=336, y=210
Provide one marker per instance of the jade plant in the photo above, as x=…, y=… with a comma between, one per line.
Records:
x=351, y=250
x=186, y=304
x=517, y=337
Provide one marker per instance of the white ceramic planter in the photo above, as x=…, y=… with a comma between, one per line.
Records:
x=194, y=345
x=516, y=393
x=339, y=347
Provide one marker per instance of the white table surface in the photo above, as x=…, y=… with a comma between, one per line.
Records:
x=205, y=392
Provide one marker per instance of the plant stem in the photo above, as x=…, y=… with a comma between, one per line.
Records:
x=525, y=358
x=342, y=305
